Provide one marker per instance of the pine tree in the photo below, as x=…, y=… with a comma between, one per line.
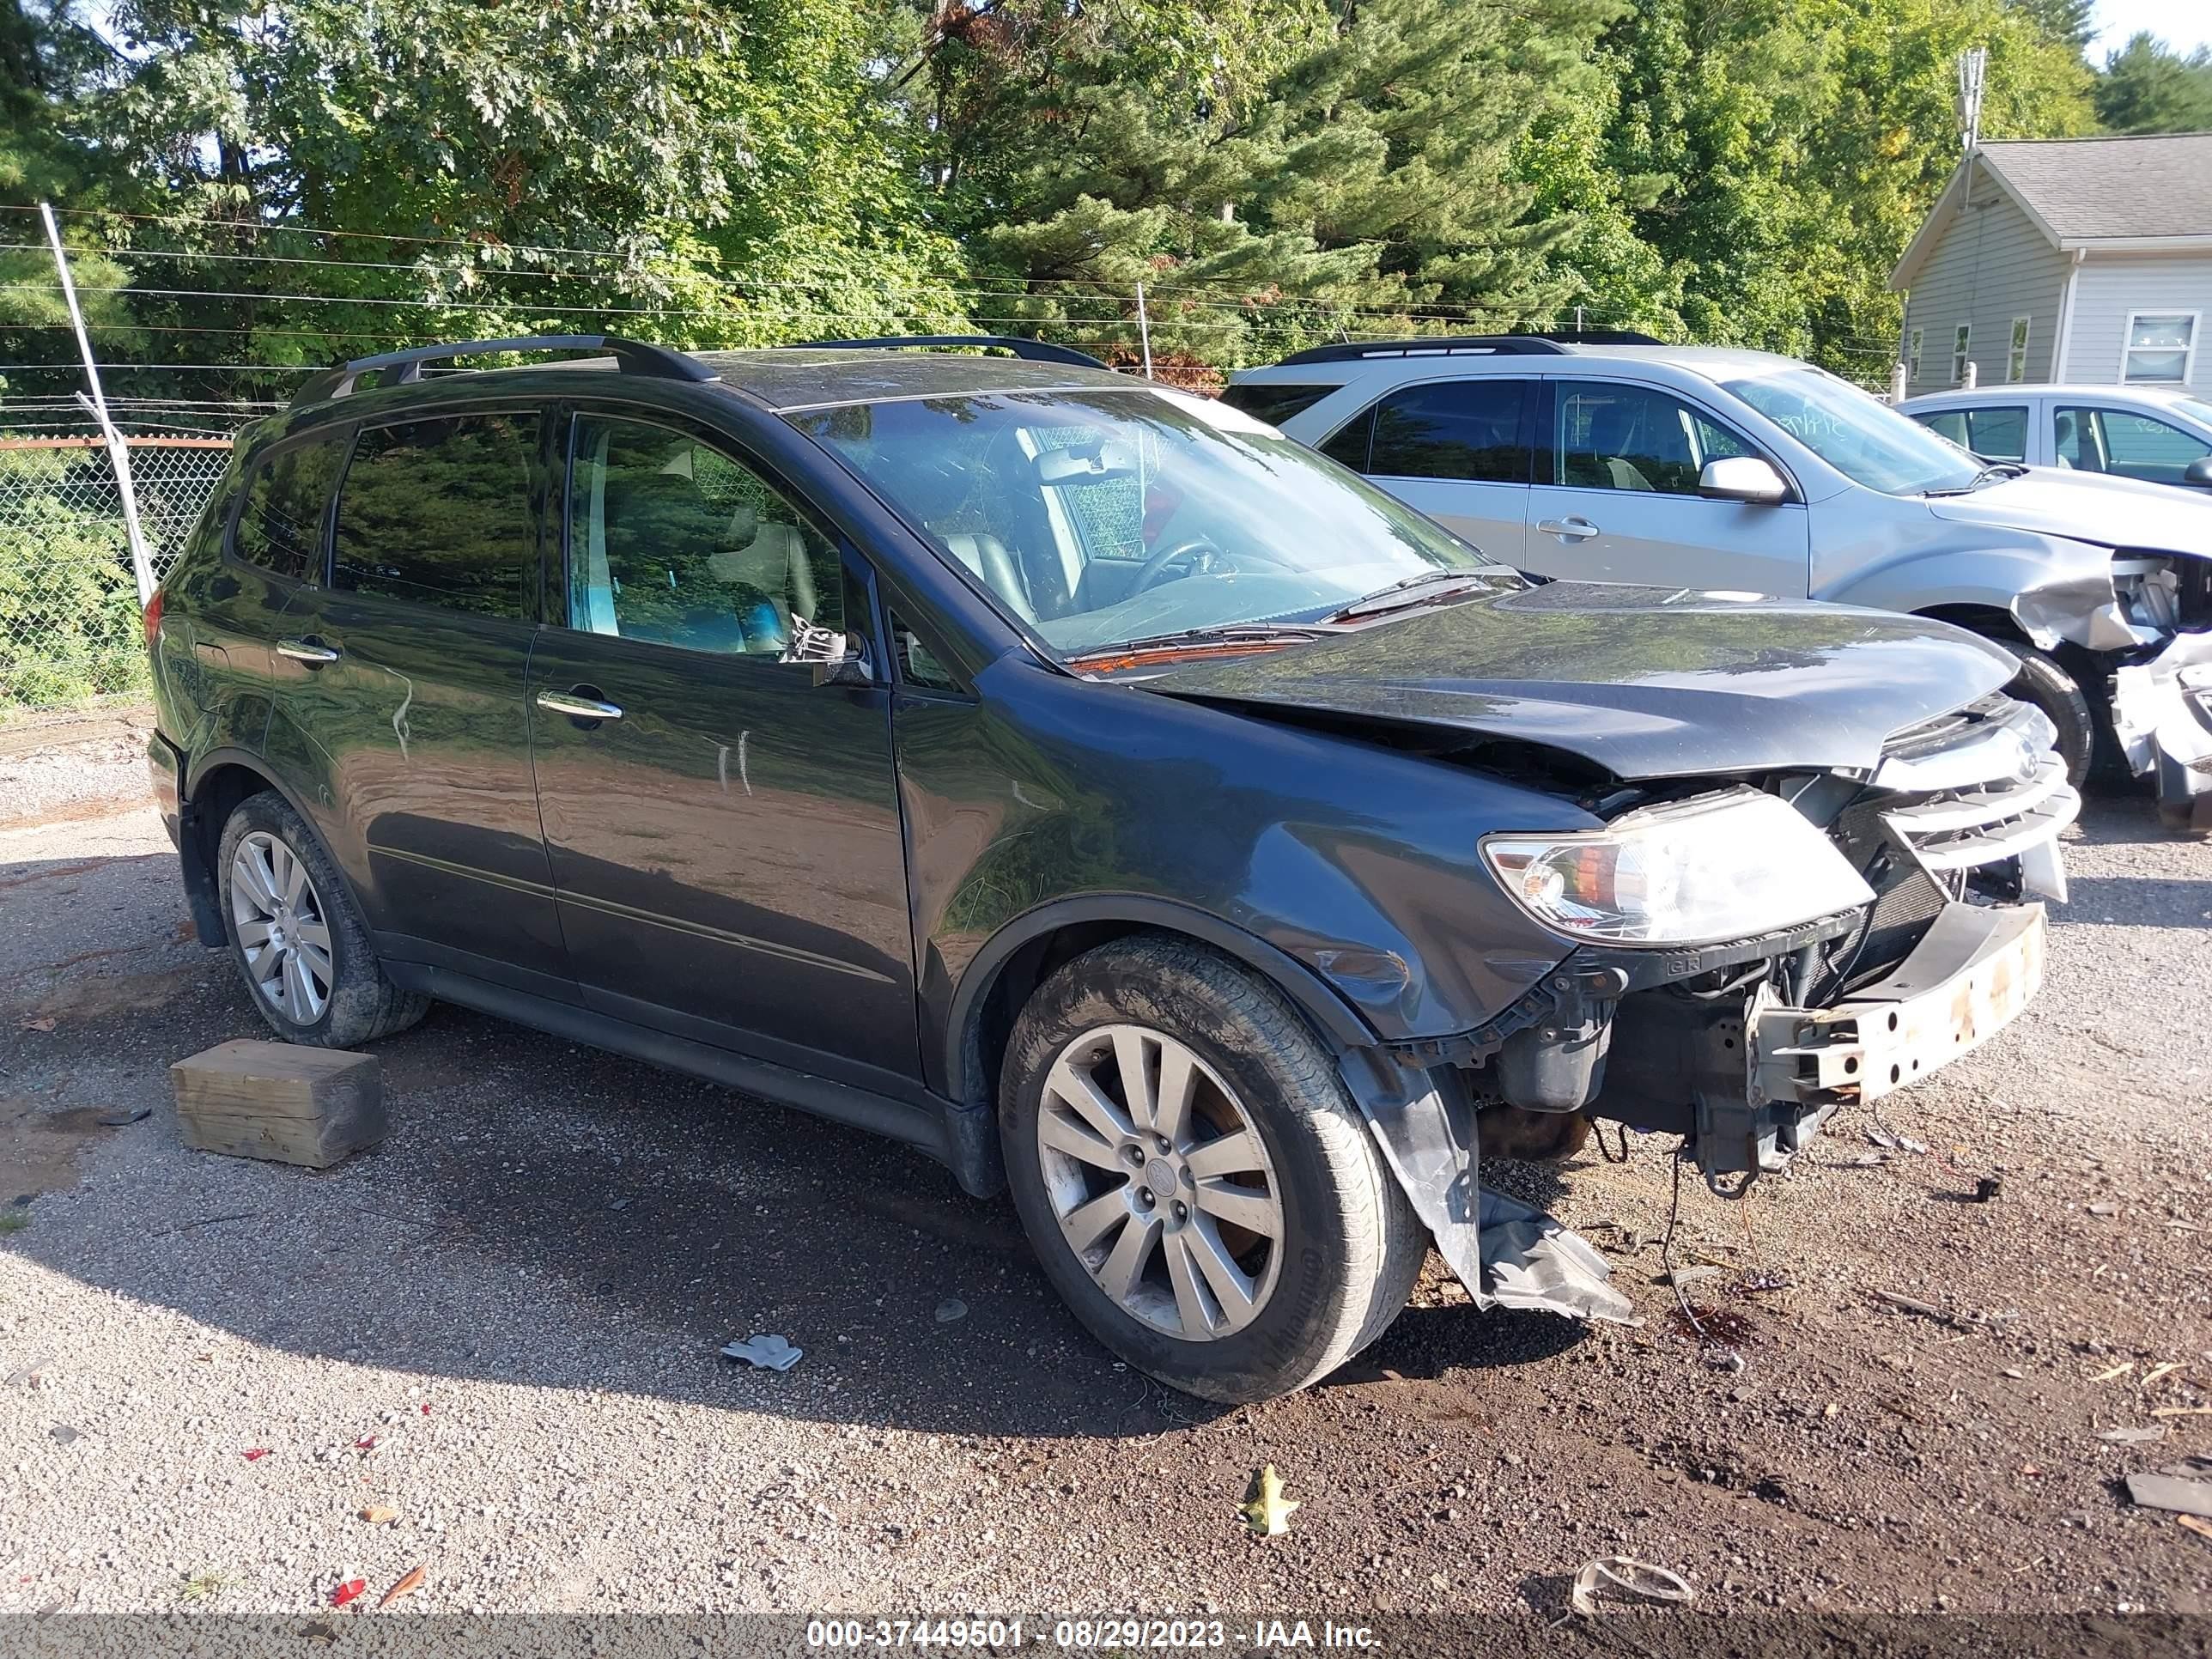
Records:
x=2148, y=87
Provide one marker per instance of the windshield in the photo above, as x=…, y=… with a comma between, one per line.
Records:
x=1103, y=516
x=1859, y=435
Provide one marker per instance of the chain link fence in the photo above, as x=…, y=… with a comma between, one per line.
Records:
x=69, y=628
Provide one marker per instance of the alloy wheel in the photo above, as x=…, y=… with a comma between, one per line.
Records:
x=1160, y=1181
x=282, y=933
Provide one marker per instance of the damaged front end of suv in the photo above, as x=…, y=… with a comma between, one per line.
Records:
x=1742, y=953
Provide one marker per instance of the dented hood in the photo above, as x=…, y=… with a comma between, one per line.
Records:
x=2089, y=506
x=1646, y=681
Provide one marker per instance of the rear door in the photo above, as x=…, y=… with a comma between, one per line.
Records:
x=405, y=694
x=2126, y=443
x=724, y=831
x=1616, y=497
x=1458, y=450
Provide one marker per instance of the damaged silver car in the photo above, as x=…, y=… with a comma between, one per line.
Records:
x=1616, y=459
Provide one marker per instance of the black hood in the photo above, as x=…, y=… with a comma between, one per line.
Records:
x=1646, y=681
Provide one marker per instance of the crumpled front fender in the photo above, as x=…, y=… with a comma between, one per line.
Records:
x=2080, y=607
x=1508, y=1253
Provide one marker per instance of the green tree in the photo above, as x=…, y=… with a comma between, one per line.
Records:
x=2148, y=87
x=2070, y=22
x=1275, y=171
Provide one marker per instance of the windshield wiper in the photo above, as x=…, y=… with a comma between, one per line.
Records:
x=1219, y=633
x=1404, y=592
x=1995, y=472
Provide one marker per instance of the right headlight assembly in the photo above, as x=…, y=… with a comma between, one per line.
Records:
x=1702, y=871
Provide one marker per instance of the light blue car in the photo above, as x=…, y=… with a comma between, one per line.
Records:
x=2153, y=433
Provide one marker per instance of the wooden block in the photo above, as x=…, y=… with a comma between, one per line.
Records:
x=272, y=1100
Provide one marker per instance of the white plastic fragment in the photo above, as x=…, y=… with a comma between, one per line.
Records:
x=770, y=1354
x=1624, y=1578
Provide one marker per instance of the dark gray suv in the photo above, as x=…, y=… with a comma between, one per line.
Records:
x=1089, y=785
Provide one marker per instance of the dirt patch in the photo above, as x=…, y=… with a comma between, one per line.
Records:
x=102, y=995
x=39, y=1149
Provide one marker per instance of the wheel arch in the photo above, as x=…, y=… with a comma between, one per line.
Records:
x=213, y=788
x=1023, y=953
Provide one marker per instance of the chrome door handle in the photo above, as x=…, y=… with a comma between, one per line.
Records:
x=578, y=707
x=1567, y=529
x=306, y=650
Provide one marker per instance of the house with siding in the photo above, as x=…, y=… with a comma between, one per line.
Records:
x=2068, y=259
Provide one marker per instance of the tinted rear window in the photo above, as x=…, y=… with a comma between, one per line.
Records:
x=280, y=528
x=1463, y=429
x=1274, y=402
x=439, y=512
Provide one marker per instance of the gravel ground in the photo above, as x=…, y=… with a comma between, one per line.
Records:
x=502, y=1326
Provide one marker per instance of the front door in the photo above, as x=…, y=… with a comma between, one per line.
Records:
x=401, y=690
x=724, y=830
x=1616, y=499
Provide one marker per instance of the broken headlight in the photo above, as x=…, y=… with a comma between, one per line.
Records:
x=1703, y=872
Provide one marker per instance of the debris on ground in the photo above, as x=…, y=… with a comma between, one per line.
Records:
x=123, y=1116
x=64, y=1435
x=770, y=1354
x=2133, y=1436
x=407, y=1583
x=2197, y=1524
x=950, y=1309
x=1987, y=1188
x=351, y=1589
x=1680, y=1277
x=2104, y=1209
x=41, y=1023
x=254, y=1453
x=2184, y=1487
x=29, y=1374
x=1925, y=1310
x=2182, y=1411
x=1760, y=1284
x=1624, y=1578
x=2157, y=1371
x=2120, y=1370
x=1265, y=1510
x=377, y=1516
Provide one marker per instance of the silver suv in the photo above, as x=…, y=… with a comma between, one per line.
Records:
x=1619, y=459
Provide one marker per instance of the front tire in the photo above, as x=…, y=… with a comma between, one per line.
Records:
x=1194, y=1176
x=2050, y=687
x=298, y=941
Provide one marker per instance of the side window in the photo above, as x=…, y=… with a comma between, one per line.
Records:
x=1348, y=444
x=1947, y=423
x=280, y=528
x=1274, y=402
x=439, y=512
x=1998, y=434
x=2130, y=445
x=918, y=666
x=671, y=540
x=1616, y=436
x=1453, y=429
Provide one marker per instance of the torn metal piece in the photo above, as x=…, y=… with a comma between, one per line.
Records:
x=2080, y=606
x=1506, y=1253
x=2162, y=718
x=2184, y=1487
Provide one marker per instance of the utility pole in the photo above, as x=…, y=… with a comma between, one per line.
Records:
x=118, y=453
x=1145, y=331
x=1973, y=77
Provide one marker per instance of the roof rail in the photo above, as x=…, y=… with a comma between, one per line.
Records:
x=1034, y=351
x=1471, y=345
x=634, y=356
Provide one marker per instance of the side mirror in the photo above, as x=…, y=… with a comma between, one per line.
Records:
x=851, y=669
x=2199, y=473
x=1742, y=478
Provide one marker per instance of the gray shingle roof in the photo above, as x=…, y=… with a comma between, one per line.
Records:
x=2089, y=188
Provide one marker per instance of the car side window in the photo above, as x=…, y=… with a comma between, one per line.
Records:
x=1274, y=402
x=1468, y=431
x=1999, y=433
x=1349, y=444
x=2124, y=443
x=280, y=527
x=439, y=512
x=671, y=540
x=1946, y=423
x=1611, y=435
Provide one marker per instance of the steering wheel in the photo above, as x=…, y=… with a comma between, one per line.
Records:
x=1199, y=548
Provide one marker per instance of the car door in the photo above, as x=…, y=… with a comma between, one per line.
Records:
x=1616, y=497
x=402, y=694
x=724, y=830
x=1458, y=450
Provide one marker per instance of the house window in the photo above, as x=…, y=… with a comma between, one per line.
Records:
x=1959, y=353
x=2161, y=347
x=2016, y=357
x=1913, y=355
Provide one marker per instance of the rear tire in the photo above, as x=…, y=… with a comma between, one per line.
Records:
x=298, y=942
x=2041, y=682
x=1164, y=1259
